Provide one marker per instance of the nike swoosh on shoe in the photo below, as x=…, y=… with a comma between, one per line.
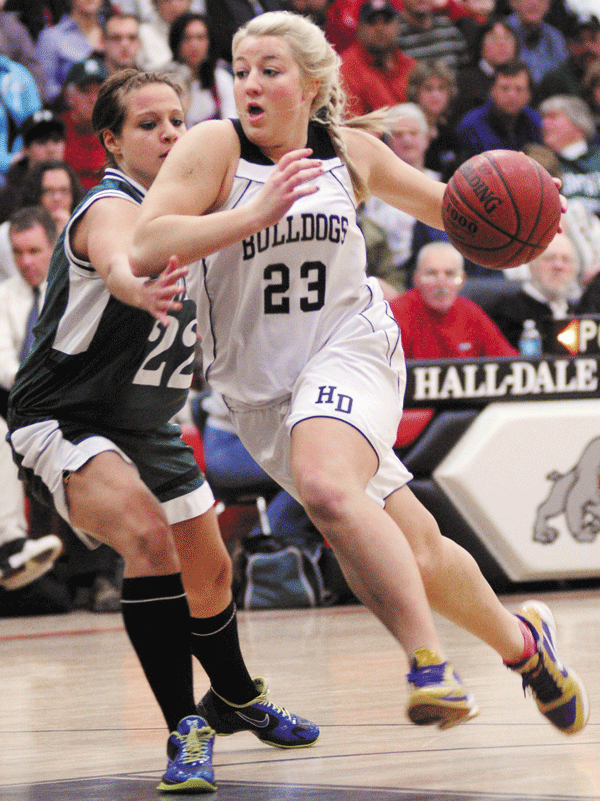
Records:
x=260, y=724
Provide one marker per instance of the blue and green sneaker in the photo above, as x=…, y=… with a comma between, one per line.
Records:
x=272, y=724
x=189, y=750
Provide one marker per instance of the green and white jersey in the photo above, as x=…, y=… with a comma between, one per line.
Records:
x=95, y=359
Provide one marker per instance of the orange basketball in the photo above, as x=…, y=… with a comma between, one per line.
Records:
x=501, y=209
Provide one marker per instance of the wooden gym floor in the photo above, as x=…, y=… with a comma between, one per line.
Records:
x=77, y=722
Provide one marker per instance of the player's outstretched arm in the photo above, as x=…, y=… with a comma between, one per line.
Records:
x=103, y=236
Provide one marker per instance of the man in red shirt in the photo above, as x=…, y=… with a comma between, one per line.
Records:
x=83, y=151
x=435, y=321
x=374, y=70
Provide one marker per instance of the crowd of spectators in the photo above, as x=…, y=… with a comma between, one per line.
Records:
x=457, y=76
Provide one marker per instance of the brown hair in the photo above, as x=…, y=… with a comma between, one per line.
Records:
x=32, y=183
x=430, y=68
x=110, y=109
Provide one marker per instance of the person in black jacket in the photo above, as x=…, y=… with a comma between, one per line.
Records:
x=544, y=298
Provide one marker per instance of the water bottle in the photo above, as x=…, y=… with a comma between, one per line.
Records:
x=530, y=344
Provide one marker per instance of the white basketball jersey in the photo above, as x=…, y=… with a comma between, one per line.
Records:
x=267, y=304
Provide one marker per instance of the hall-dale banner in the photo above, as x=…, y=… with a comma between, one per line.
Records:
x=465, y=382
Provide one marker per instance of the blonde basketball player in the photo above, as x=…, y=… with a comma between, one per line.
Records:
x=305, y=352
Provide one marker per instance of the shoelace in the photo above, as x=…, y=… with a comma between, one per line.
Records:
x=279, y=710
x=542, y=682
x=195, y=744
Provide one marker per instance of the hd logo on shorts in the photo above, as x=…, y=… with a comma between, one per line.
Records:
x=343, y=403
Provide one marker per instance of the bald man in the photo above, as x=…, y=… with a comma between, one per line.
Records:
x=435, y=321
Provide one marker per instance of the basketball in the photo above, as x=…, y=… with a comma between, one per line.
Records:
x=501, y=209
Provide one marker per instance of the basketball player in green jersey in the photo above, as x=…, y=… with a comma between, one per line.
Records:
x=89, y=426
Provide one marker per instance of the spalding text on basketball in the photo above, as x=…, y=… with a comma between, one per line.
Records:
x=481, y=190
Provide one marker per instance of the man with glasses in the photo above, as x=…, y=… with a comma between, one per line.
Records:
x=435, y=321
x=121, y=42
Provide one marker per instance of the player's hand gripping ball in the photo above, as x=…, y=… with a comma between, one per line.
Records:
x=501, y=209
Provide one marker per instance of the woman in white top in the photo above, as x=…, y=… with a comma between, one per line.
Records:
x=211, y=85
x=155, y=52
x=304, y=350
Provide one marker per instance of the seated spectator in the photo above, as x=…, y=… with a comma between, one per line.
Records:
x=505, y=122
x=211, y=85
x=155, y=52
x=55, y=186
x=581, y=224
x=569, y=130
x=543, y=298
x=496, y=44
x=590, y=92
x=435, y=321
x=32, y=236
x=583, y=45
x=226, y=16
x=374, y=70
x=120, y=42
x=19, y=98
x=541, y=45
x=389, y=231
x=43, y=137
x=423, y=32
x=83, y=150
x=75, y=37
x=557, y=15
x=432, y=86
x=51, y=184
x=17, y=44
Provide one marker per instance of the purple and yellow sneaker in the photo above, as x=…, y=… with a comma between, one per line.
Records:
x=558, y=692
x=438, y=695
